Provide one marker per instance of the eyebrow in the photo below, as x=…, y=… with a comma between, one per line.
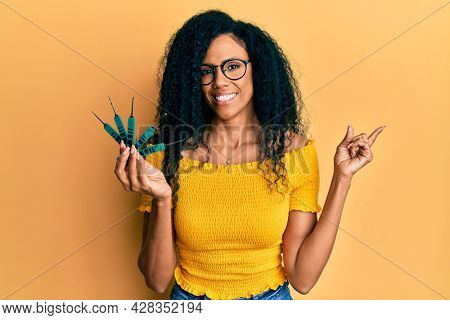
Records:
x=228, y=59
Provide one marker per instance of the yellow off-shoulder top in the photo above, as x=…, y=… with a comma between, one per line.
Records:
x=229, y=225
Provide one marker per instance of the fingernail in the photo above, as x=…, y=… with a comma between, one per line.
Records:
x=133, y=149
x=128, y=149
x=138, y=156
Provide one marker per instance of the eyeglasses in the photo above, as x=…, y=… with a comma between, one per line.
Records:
x=233, y=69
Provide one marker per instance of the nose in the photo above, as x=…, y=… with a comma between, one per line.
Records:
x=220, y=80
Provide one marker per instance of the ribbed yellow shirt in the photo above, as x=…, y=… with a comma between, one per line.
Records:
x=229, y=225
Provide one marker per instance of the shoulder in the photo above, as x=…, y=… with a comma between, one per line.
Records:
x=295, y=141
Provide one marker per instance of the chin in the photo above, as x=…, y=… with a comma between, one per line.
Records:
x=227, y=114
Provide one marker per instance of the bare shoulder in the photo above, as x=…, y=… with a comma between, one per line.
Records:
x=197, y=154
x=297, y=141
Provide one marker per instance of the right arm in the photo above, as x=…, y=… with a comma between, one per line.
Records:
x=157, y=259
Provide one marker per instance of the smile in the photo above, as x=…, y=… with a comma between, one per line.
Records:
x=225, y=98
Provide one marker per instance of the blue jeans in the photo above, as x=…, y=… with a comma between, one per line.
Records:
x=281, y=293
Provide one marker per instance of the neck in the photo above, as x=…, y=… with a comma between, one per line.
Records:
x=234, y=133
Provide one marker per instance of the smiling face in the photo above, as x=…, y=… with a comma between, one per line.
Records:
x=228, y=98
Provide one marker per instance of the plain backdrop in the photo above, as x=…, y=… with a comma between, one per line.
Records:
x=68, y=230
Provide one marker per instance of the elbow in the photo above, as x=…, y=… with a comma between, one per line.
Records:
x=305, y=291
x=304, y=282
x=157, y=285
x=301, y=287
x=154, y=282
x=154, y=287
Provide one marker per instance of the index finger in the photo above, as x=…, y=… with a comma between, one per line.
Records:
x=122, y=147
x=374, y=135
x=122, y=160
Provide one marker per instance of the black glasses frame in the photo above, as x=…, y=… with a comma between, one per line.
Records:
x=245, y=62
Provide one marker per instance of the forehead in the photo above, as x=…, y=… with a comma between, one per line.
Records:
x=224, y=47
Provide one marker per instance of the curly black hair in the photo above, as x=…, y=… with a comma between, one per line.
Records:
x=182, y=113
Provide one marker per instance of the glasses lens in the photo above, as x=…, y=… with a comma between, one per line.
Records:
x=207, y=74
x=234, y=69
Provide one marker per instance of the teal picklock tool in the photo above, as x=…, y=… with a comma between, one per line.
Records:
x=110, y=130
x=145, y=136
x=128, y=137
x=156, y=148
x=131, y=126
x=119, y=123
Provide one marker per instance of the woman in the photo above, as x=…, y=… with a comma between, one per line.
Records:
x=228, y=92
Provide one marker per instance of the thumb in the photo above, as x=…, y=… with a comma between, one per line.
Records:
x=144, y=166
x=348, y=136
x=141, y=164
x=143, y=179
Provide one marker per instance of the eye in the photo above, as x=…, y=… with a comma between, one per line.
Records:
x=204, y=72
x=233, y=66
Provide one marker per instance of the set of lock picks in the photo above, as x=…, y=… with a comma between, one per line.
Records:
x=128, y=135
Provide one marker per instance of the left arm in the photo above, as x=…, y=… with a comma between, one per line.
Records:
x=307, y=244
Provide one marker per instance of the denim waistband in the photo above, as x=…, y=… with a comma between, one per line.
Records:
x=281, y=293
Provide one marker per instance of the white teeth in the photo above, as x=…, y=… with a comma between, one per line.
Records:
x=225, y=97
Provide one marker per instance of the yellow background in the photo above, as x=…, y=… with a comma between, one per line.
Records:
x=68, y=229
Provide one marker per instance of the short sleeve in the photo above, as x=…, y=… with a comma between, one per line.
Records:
x=145, y=201
x=305, y=180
